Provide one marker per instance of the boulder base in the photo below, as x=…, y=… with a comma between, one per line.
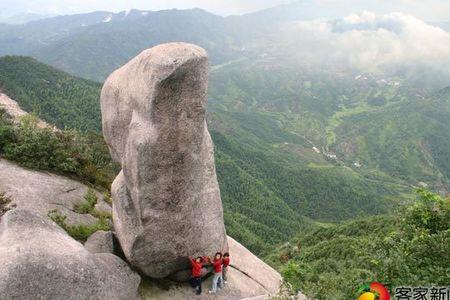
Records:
x=248, y=278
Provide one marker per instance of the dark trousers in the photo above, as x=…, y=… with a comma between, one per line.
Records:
x=224, y=273
x=197, y=284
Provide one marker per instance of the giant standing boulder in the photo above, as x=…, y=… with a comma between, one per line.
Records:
x=38, y=260
x=166, y=199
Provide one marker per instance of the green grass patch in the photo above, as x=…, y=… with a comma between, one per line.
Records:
x=79, y=232
x=88, y=205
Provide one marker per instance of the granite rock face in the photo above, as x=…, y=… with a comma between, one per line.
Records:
x=38, y=260
x=42, y=192
x=166, y=199
x=247, y=263
x=100, y=242
x=104, y=242
x=14, y=111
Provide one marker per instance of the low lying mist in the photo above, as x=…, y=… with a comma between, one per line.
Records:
x=391, y=44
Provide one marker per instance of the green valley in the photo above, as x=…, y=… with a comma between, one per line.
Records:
x=372, y=124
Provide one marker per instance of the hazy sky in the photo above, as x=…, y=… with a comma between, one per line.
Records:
x=430, y=10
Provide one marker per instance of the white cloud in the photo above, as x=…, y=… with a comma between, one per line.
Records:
x=372, y=42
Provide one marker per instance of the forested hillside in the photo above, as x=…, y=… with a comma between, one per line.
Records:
x=55, y=96
x=409, y=248
x=376, y=124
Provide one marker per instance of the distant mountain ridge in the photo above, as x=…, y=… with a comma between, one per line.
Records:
x=92, y=45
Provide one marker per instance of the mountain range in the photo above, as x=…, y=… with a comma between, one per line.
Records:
x=92, y=45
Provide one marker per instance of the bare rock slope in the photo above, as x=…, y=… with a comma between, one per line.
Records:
x=247, y=263
x=13, y=109
x=166, y=198
x=38, y=260
x=42, y=192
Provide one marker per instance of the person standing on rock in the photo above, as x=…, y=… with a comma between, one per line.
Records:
x=197, y=266
x=225, y=264
x=217, y=279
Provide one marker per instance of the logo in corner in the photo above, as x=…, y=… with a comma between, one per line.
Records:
x=373, y=291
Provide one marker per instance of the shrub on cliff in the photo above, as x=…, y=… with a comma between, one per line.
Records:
x=411, y=248
x=84, y=156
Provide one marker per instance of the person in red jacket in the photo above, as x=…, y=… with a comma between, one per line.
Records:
x=226, y=263
x=196, y=280
x=217, y=279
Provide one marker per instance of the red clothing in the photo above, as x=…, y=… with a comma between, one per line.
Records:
x=196, y=268
x=217, y=264
x=226, y=261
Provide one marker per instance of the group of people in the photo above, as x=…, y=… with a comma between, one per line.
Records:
x=220, y=265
